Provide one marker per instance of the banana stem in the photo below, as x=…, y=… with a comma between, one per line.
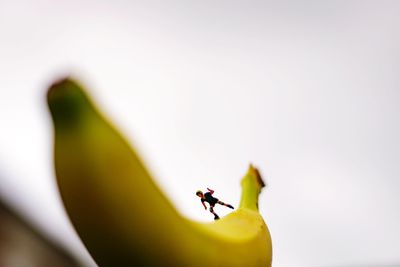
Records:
x=252, y=184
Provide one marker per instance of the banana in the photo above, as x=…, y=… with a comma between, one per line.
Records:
x=121, y=215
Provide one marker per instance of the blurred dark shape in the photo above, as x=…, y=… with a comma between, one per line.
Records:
x=21, y=245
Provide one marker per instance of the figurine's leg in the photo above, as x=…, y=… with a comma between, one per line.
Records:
x=222, y=203
x=216, y=217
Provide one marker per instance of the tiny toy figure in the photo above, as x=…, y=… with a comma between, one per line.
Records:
x=207, y=197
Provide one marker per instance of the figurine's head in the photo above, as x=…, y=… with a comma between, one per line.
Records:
x=199, y=193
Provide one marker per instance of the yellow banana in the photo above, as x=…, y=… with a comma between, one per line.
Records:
x=119, y=212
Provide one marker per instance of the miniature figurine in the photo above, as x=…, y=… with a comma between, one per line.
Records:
x=207, y=197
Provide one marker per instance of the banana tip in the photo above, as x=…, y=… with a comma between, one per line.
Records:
x=57, y=86
x=67, y=101
x=257, y=174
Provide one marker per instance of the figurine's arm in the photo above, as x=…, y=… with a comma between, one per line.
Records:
x=204, y=205
x=210, y=190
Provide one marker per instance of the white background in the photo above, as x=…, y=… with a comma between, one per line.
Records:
x=307, y=91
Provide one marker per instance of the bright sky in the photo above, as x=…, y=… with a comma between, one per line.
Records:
x=307, y=91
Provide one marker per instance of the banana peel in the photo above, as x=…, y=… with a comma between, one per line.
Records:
x=119, y=212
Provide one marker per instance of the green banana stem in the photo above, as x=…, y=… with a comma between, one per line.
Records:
x=252, y=184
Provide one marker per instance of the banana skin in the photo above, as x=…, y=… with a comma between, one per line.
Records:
x=119, y=212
